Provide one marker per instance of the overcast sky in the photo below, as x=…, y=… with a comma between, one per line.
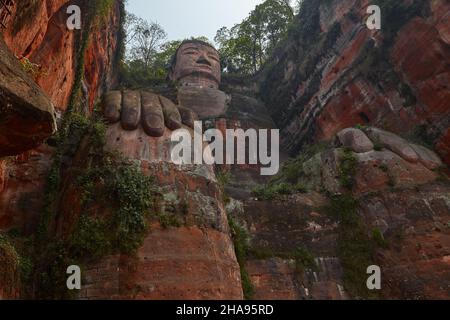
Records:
x=192, y=18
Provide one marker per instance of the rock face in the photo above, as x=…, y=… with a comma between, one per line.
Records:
x=394, y=143
x=22, y=198
x=278, y=229
x=333, y=73
x=26, y=113
x=375, y=169
x=37, y=34
x=356, y=140
x=416, y=263
x=179, y=264
x=37, y=41
x=402, y=201
x=38, y=31
x=193, y=261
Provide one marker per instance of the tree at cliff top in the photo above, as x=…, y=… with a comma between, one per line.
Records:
x=144, y=39
x=246, y=46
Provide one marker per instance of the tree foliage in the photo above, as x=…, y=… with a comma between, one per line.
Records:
x=245, y=47
x=144, y=39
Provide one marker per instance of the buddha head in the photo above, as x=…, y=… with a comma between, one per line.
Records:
x=196, y=63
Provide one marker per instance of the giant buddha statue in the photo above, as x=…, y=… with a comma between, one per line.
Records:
x=196, y=71
x=195, y=259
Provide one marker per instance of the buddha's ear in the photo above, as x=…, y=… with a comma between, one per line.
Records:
x=170, y=74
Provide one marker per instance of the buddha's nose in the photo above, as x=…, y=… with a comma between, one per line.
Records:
x=203, y=60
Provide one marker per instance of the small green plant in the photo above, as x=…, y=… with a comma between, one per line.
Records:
x=169, y=220
x=9, y=267
x=379, y=239
x=241, y=247
x=304, y=259
x=361, y=127
x=263, y=192
x=293, y=170
x=33, y=69
x=103, y=7
x=223, y=178
x=355, y=248
x=347, y=169
x=118, y=225
x=271, y=191
x=90, y=238
x=301, y=188
x=283, y=189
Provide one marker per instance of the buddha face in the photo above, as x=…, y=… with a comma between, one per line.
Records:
x=197, y=64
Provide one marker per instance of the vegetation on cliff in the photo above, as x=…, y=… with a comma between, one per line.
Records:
x=9, y=268
x=355, y=247
x=96, y=14
x=245, y=47
x=105, y=182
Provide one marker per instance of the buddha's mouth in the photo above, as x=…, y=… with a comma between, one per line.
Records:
x=203, y=66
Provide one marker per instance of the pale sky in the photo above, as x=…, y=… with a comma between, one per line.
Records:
x=192, y=18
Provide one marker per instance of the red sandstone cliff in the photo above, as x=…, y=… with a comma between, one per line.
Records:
x=333, y=72
x=194, y=261
x=38, y=37
x=37, y=30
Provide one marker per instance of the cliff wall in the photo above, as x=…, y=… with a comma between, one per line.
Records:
x=333, y=72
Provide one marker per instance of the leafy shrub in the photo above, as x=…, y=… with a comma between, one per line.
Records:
x=241, y=247
x=347, y=169
x=117, y=184
x=355, y=248
x=9, y=266
x=223, y=178
x=379, y=239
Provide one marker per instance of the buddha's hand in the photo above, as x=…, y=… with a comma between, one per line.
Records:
x=152, y=111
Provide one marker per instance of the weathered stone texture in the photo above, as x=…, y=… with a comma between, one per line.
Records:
x=26, y=113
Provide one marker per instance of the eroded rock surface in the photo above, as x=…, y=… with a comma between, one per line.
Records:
x=193, y=261
x=26, y=113
x=38, y=31
x=403, y=202
x=334, y=73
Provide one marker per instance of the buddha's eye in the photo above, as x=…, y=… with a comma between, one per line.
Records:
x=190, y=52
